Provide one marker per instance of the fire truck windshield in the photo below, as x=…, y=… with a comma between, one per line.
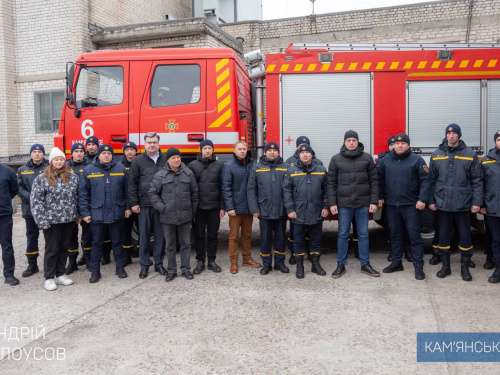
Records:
x=99, y=86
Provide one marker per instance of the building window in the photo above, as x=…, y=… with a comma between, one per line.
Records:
x=48, y=108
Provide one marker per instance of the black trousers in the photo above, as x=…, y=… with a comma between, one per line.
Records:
x=98, y=235
x=210, y=220
x=57, y=239
x=494, y=227
x=461, y=220
x=32, y=234
x=9, y=262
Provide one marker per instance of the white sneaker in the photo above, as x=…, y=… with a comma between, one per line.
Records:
x=63, y=280
x=50, y=284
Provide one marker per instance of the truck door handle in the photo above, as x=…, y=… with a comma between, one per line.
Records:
x=195, y=137
x=122, y=140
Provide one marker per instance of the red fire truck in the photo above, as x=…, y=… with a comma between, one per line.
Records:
x=185, y=95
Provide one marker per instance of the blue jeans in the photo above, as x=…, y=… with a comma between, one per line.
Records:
x=361, y=214
x=9, y=263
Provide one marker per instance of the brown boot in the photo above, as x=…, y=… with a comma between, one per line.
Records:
x=234, y=268
x=249, y=262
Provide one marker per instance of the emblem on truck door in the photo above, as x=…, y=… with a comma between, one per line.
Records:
x=171, y=126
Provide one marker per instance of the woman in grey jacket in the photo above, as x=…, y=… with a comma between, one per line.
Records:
x=53, y=203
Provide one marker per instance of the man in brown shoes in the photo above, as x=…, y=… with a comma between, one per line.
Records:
x=234, y=192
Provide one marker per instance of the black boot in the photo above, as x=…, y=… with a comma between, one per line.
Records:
x=266, y=269
x=292, y=259
x=200, y=267
x=419, y=273
x=394, y=267
x=95, y=277
x=32, y=268
x=495, y=278
x=83, y=260
x=464, y=269
x=316, y=267
x=72, y=266
x=435, y=259
x=300, y=267
x=445, y=270
x=121, y=273
x=489, y=265
x=339, y=271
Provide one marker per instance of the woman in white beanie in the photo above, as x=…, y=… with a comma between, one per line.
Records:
x=54, y=208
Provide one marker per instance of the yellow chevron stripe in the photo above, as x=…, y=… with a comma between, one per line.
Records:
x=478, y=63
x=437, y=74
x=325, y=66
x=366, y=66
x=224, y=103
x=221, y=64
x=422, y=64
x=435, y=64
x=226, y=115
x=298, y=68
x=353, y=66
x=492, y=63
x=394, y=65
x=271, y=67
x=464, y=64
x=221, y=77
x=311, y=67
x=450, y=64
x=380, y=65
x=225, y=88
x=339, y=66
x=284, y=67
x=229, y=125
x=463, y=158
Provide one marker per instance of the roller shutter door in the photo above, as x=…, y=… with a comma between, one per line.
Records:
x=323, y=107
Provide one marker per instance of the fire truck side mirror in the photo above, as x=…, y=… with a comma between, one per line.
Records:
x=77, y=113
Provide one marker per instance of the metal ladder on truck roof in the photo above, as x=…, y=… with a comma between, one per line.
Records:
x=387, y=46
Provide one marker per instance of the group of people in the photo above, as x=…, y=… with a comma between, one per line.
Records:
x=164, y=198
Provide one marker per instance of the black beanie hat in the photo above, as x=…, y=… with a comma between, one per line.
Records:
x=306, y=147
x=105, y=148
x=391, y=140
x=129, y=145
x=351, y=134
x=172, y=151
x=206, y=142
x=302, y=139
x=272, y=146
x=497, y=134
x=93, y=140
x=402, y=137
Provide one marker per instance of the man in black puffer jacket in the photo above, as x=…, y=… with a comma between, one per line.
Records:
x=174, y=194
x=265, y=200
x=353, y=192
x=491, y=206
x=456, y=191
x=207, y=171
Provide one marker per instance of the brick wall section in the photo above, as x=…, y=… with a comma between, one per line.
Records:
x=437, y=22
x=8, y=94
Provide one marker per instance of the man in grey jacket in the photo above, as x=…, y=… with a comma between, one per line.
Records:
x=174, y=194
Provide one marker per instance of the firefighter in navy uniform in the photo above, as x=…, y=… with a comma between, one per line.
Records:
x=25, y=177
x=265, y=201
x=129, y=152
x=404, y=190
x=491, y=206
x=306, y=203
x=103, y=203
x=77, y=163
x=92, y=144
x=456, y=191
x=291, y=162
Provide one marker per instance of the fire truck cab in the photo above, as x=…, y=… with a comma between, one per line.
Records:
x=185, y=95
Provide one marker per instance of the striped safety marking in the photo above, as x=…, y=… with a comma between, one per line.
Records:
x=381, y=65
x=223, y=95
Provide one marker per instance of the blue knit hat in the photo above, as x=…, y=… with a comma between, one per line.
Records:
x=206, y=142
x=37, y=146
x=302, y=139
x=93, y=140
x=128, y=145
x=454, y=128
x=105, y=148
x=402, y=137
x=77, y=146
x=391, y=140
x=306, y=147
x=272, y=146
x=497, y=134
